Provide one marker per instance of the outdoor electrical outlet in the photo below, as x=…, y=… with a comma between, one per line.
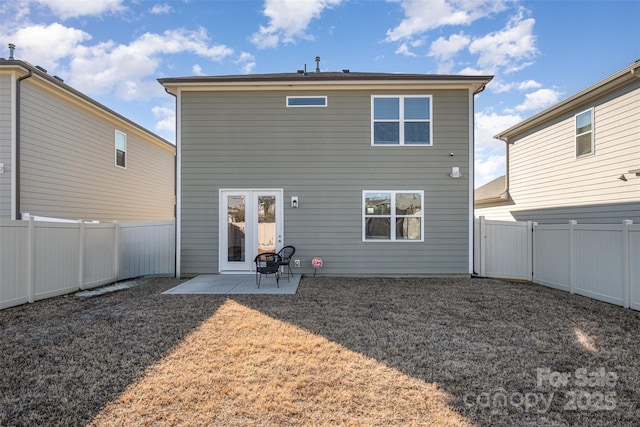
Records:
x=296, y=263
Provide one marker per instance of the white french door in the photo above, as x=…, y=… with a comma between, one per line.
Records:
x=251, y=223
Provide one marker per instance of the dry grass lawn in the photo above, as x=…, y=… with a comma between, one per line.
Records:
x=339, y=352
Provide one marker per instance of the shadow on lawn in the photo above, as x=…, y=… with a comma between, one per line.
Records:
x=65, y=358
x=71, y=361
x=496, y=347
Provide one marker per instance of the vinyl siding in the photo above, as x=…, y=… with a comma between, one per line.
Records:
x=5, y=145
x=324, y=156
x=547, y=182
x=68, y=164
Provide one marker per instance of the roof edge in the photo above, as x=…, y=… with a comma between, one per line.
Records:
x=13, y=63
x=344, y=79
x=614, y=81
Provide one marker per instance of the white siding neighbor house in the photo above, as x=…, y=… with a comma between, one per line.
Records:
x=577, y=160
x=64, y=155
x=369, y=171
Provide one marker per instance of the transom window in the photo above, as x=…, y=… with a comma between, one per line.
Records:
x=121, y=149
x=584, y=133
x=392, y=216
x=306, y=101
x=401, y=120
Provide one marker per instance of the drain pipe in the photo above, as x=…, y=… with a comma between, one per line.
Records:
x=17, y=147
x=176, y=215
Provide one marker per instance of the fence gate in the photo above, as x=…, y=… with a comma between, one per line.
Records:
x=503, y=249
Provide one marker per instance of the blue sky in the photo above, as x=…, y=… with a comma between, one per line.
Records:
x=539, y=51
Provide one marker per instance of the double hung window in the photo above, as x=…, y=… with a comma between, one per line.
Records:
x=121, y=149
x=395, y=216
x=401, y=120
x=584, y=133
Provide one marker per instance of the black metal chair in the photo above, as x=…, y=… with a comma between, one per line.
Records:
x=267, y=263
x=285, y=254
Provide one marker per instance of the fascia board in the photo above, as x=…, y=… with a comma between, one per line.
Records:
x=583, y=97
x=98, y=109
x=297, y=85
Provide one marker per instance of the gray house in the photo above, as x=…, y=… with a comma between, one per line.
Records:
x=371, y=172
x=576, y=160
x=64, y=155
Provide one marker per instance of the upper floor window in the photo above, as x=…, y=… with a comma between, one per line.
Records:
x=393, y=216
x=401, y=120
x=306, y=101
x=121, y=149
x=584, y=133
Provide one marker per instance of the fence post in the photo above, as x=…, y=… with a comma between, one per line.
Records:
x=530, y=251
x=483, y=247
x=81, y=256
x=116, y=250
x=572, y=261
x=31, y=252
x=626, y=262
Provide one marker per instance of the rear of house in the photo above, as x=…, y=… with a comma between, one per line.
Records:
x=64, y=155
x=360, y=169
x=577, y=160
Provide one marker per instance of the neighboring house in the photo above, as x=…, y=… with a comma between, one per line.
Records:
x=578, y=160
x=64, y=155
x=352, y=167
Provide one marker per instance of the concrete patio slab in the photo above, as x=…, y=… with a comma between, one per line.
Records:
x=236, y=284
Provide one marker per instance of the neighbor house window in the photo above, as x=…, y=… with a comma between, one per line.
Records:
x=306, y=101
x=121, y=149
x=401, y=120
x=584, y=133
x=392, y=216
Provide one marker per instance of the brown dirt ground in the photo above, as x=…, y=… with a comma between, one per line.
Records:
x=342, y=351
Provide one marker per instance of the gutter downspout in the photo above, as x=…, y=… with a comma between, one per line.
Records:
x=17, y=148
x=472, y=161
x=505, y=193
x=176, y=252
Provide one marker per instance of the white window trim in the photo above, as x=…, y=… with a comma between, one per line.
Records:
x=115, y=149
x=401, y=120
x=392, y=217
x=326, y=101
x=576, y=134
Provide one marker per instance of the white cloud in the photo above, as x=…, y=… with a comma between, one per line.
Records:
x=499, y=87
x=529, y=84
x=74, y=8
x=489, y=168
x=403, y=49
x=490, y=152
x=46, y=45
x=539, y=100
x=165, y=119
x=425, y=15
x=445, y=49
x=98, y=69
x=508, y=49
x=471, y=71
x=247, y=62
x=197, y=70
x=289, y=20
x=161, y=9
x=489, y=124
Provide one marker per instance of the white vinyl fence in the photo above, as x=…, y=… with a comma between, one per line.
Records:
x=600, y=261
x=503, y=249
x=45, y=259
